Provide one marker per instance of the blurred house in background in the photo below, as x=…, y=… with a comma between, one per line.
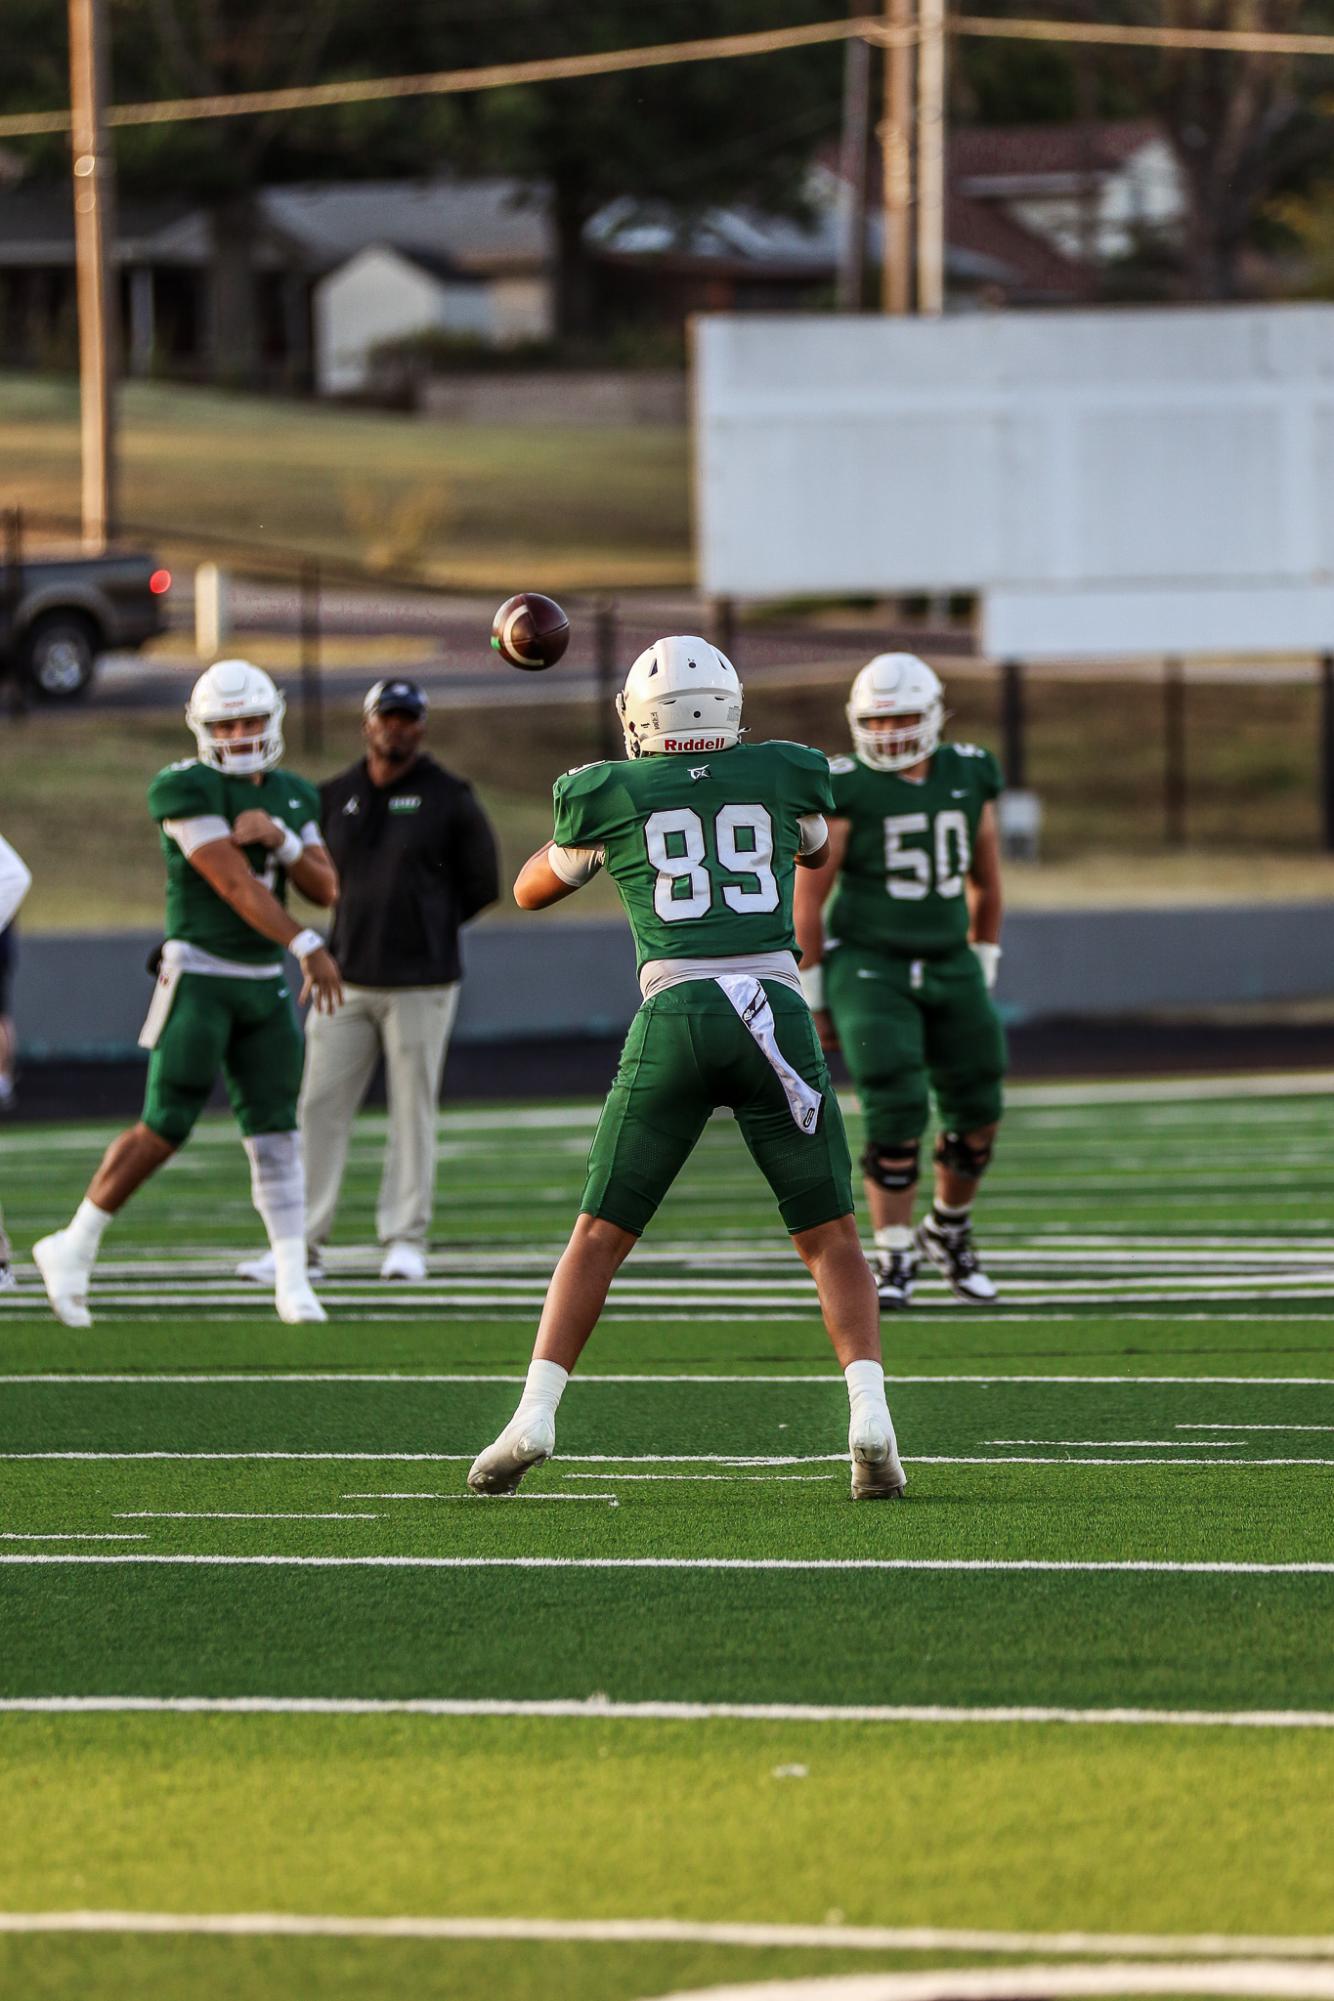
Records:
x=1036, y=215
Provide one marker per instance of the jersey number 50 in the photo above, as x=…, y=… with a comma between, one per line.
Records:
x=908, y=871
x=743, y=842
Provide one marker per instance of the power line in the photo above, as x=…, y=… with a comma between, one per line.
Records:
x=495, y=76
x=437, y=83
x=1234, y=41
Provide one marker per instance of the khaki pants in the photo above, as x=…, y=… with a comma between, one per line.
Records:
x=411, y=1026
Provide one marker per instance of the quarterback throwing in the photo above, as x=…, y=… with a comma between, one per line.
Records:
x=235, y=831
x=703, y=836
x=901, y=974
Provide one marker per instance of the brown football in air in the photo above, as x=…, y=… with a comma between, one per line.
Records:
x=530, y=631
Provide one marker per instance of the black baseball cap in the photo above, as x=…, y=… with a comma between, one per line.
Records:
x=405, y=697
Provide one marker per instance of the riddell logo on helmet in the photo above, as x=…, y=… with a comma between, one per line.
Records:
x=694, y=743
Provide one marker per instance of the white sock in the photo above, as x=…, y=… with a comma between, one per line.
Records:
x=866, y=1389
x=953, y=1219
x=83, y=1232
x=543, y=1389
x=278, y=1183
x=893, y=1237
x=289, y=1261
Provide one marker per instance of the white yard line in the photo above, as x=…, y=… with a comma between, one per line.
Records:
x=1170, y=1444
x=1137, y=1566
x=1255, y=1427
x=613, y=1459
x=826, y=1378
x=599, y=1709
x=669, y=1931
x=1259, y=1978
x=749, y=1479
x=230, y=1515
x=14, y=1535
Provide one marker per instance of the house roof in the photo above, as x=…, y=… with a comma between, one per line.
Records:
x=483, y=225
x=472, y=227
x=1002, y=153
x=1018, y=258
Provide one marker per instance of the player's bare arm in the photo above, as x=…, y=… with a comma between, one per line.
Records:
x=312, y=872
x=553, y=873
x=226, y=871
x=985, y=899
x=812, y=891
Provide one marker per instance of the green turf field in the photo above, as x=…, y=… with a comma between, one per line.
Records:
x=290, y=1713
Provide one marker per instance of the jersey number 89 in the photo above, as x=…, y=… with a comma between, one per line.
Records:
x=743, y=841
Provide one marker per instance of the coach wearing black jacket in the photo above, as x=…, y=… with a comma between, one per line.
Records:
x=416, y=859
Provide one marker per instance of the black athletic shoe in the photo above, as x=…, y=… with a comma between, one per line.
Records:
x=895, y=1274
x=950, y=1249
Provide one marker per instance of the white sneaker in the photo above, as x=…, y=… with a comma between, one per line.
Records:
x=262, y=1271
x=65, y=1278
x=297, y=1303
x=8, y=1282
x=877, y=1472
x=403, y=1261
x=526, y=1441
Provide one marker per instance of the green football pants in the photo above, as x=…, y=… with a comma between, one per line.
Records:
x=906, y=1023
x=247, y=1029
x=687, y=1052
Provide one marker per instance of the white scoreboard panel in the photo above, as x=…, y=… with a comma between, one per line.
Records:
x=1122, y=480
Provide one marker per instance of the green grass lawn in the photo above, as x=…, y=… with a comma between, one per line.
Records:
x=459, y=504
x=409, y=1704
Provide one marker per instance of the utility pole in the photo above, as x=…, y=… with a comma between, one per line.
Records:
x=895, y=135
x=931, y=157
x=852, y=168
x=94, y=210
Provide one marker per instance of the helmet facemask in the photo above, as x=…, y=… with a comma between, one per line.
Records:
x=896, y=749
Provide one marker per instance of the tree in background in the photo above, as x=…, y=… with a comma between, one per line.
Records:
x=1245, y=127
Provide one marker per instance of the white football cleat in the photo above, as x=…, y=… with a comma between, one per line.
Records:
x=296, y=1304
x=952, y=1251
x=65, y=1278
x=877, y=1472
x=403, y=1261
x=263, y=1271
x=8, y=1282
x=527, y=1440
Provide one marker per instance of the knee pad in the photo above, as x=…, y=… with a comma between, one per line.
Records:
x=892, y=1167
x=958, y=1155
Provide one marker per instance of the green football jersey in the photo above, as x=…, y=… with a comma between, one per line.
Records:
x=702, y=848
x=910, y=846
x=195, y=912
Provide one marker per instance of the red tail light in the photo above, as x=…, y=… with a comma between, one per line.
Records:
x=159, y=582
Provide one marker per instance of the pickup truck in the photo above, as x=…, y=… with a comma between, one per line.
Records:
x=59, y=613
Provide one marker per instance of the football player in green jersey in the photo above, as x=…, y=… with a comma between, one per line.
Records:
x=901, y=977
x=703, y=836
x=235, y=830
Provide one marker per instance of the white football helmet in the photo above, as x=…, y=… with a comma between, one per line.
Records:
x=235, y=688
x=682, y=694
x=896, y=684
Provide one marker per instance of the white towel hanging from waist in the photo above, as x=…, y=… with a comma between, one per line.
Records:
x=752, y=1004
